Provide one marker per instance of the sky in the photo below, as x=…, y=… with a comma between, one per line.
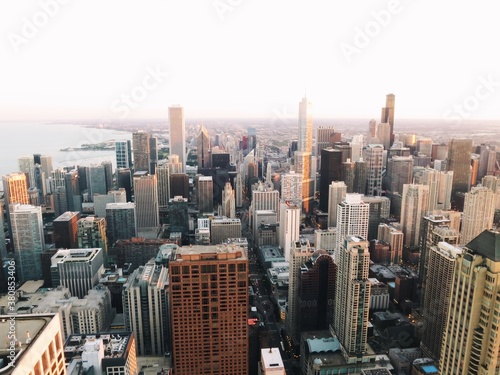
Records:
x=126, y=60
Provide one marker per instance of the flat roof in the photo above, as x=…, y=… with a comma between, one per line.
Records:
x=271, y=358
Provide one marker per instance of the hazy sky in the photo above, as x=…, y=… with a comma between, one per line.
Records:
x=112, y=59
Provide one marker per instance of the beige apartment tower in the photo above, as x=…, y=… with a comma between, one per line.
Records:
x=471, y=342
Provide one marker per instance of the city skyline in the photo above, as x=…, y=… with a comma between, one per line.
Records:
x=225, y=67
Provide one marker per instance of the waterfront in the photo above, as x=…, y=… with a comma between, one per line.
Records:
x=22, y=139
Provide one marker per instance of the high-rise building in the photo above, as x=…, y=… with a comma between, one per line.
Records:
x=305, y=126
x=177, y=134
x=228, y=201
x=388, y=113
x=121, y=222
x=40, y=183
x=303, y=167
x=78, y=270
x=73, y=195
x=203, y=149
x=141, y=149
x=384, y=134
x=108, y=174
x=97, y=180
x=399, y=172
x=414, y=206
x=124, y=181
x=395, y=238
x=300, y=251
x=163, y=179
x=3, y=247
x=440, y=184
x=459, y=161
x=46, y=163
x=123, y=153
x=326, y=136
x=316, y=292
x=27, y=166
x=470, y=342
x=103, y=353
x=436, y=227
x=145, y=308
x=178, y=215
x=66, y=230
x=38, y=346
x=179, y=185
x=113, y=196
x=209, y=307
x=360, y=176
x=348, y=175
x=92, y=234
x=289, y=228
x=222, y=228
x=15, y=189
x=153, y=154
x=442, y=260
x=146, y=201
x=352, y=296
x=205, y=194
x=291, y=186
x=28, y=240
x=352, y=219
x=264, y=197
x=337, y=192
x=380, y=208
x=325, y=239
x=331, y=170
x=478, y=214
x=374, y=157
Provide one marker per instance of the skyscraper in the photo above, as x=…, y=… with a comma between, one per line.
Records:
x=300, y=251
x=28, y=240
x=141, y=148
x=228, y=201
x=374, y=157
x=303, y=156
x=316, y=292
x=413, y=208
x=163, y=179
x=399, y=172
x=205, y=194
x=113, y=196
x=289, y=228
x=440, y=185
x=27, y=166
x=15, y=189
x=73, y=196
x=352, y=219
x=388, y=113
x=331, y=170
x=223, y=228
x=442, y=260
x=66, y=230
x=326, y=137
x=209, y=299
x=123, y=153
x=153, y=154
x=305, y=126
x=121, y=222
x=145, y=308
x=203, y=149
x=337, y=192
x=177, y=134
x=79, y=270
x=291, y=186
x=97, y=180
x=470, y=342
x=146, y=201
x=352, y=296
x=459, y=159
x=478, y=214
x=92, y=234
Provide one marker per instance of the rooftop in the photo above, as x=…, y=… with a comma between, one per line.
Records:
x=208, y=252
x=487, y=244
x=66, y=216
x=271, y=358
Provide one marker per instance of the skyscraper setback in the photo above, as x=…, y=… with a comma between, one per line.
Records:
x=303, y=155
x=388, y=114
